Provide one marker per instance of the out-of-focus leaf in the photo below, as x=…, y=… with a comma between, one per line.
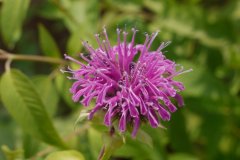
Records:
x=126, y=6
x=212, y=129
x=47, y=92
x=7, y=128
x=30, y=145
x=63, y=85
x=181, y=156
x=49, y=11
x=183, y=30
x=12, y=15
x=25, y=105
x=179, y=138
x=155, y=6
x=82, y=116
x=74, y=42
x=95, y=146
x=236, y=11
x=48, y=44
x=65, y=155
x=139, y=151
x=0, y=88
x=12, y=154
x=81, y=15
x=144, y=137
x=111, y=143
x=200, y=82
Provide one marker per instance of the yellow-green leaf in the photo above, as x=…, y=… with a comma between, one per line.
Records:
x=12, y=15
x=47, y=42
x=47, y=92
x=65, y=155
x=26, y=107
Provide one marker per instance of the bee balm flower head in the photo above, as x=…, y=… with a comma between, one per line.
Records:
x=127, y=88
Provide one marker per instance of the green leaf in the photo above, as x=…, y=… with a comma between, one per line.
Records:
x=63, y=84
x=200, y=82
x=95, y=146
x=30, y=145
x=111, y=143
x=181, y=156
x=12, y=154
x=65, y=155
x=12, y=15
x=136, y=150
x=7, y=128
x=212, y=129
x=179, y=137
x=144, y=137
x=81, y=15
x=25, y=105
x=74, y=42
x=82, y=117
x=47, y=42
x=47, y=92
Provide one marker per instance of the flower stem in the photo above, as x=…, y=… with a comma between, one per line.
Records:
x=6, y=55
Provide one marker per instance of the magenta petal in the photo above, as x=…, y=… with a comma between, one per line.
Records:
x=136, y=125
x=133, y=110
x=134, y=97
x=152, y=117
x=143, y=107
x=164, y=114
x=94, y=110
x=88, y=98
x=102, y=94
x=122, y=122
x=179, y=100
x=107, y=118
x=171, y=107
x=80, y=93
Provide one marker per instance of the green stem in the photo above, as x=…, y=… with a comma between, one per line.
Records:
x=6, y=55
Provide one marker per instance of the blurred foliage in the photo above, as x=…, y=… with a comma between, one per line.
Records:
x=36, y=112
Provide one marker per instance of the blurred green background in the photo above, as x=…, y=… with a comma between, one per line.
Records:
x=205, y=36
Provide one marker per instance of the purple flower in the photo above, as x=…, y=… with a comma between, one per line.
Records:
x=129, y=82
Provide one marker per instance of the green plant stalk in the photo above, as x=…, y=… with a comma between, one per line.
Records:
x=6, y=55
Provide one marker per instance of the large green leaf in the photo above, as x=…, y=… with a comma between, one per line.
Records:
x=65, y=155
x=47, y=42
x=47, y=92
x=25, y=105
x=30, y=145
x=12, y=15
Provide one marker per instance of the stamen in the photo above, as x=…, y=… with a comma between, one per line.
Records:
x=98, y=41
x=163, y=45
x=154, y=35
x=72, y=59
x=144, y=47
x=107, y=40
